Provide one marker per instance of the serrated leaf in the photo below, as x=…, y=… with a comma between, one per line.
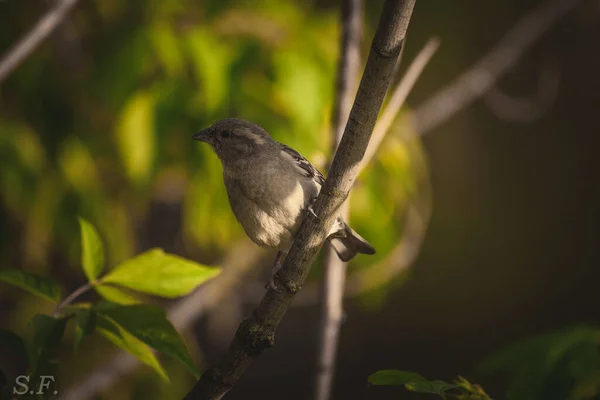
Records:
x=126, y=341
x=41, y=286
x=394, y=377
x=150, y=325
x=432, y=387
x=13, y=342
x=85, y=325
x=162, y=274
x=45, y=335
x=115, y=295
x=92, y=251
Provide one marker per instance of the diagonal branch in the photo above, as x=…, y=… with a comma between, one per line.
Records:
x=237, y=265
x=256, y=333
x=334, y=275
x=398, y=97
x=28, y=43
x=428, y=116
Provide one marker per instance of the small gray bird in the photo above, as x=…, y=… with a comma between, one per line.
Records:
x=269, y=185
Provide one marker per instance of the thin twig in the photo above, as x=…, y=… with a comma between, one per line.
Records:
x=238, y=263
x=399, y=95
x=478, y=79
x=256, y=333
x=439, y=111
x=334, y=276
x=69, y=299
x=28, y=43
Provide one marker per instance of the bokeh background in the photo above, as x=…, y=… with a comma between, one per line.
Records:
x=98, y=123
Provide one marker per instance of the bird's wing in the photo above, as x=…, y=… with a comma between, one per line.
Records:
x=304, y=166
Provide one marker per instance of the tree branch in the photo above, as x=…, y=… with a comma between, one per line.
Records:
x=334, y=276
x=399, y=95
x=429, y=115
x=478, y=79
x=238, y=263
x=256, y=333
x=28, y=43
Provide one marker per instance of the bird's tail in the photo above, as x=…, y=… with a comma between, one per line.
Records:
x=347, y=243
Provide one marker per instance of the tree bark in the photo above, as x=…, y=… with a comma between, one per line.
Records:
x=257, y=333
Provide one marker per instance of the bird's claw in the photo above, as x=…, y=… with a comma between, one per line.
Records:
x=311, y=210
x=271, y=285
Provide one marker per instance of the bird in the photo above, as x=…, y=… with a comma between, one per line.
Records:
x=270, y=187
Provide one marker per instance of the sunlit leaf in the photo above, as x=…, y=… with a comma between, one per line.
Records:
x=394, y=377
x=115, y=295
x=162, y=274
x=41, y=286
x=92, y=251
x=150, y=325
x=135, y=137
x=126, y=341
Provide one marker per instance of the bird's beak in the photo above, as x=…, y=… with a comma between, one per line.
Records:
x=205, y=135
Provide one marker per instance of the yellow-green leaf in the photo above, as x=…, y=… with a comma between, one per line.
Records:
x=125, y=340
x=161, y=274
x=115, y=295
x=135, y=137
x=150, y=325
x=92, y=252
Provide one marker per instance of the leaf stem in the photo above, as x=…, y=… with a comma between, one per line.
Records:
x=69, y=299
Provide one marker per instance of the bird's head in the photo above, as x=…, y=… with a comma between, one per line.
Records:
x=233, y=139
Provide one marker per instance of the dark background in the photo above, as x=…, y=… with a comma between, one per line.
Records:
x=511, y=248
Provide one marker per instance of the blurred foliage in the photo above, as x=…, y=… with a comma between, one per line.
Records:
x=136, y=328
x=562, y=365
x=108, y=137
x=460, y=389
x=98, y=122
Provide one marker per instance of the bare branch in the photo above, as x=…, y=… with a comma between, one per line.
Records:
x=478, y=79
x=398, y=97
x=28, y=43
x=256, y=333
x=334, y=275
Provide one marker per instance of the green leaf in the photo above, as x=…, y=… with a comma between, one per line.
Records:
x=10, y=341
x=150, y=325
x=136, y=138
x=85, y=325
x=45, y=335
x=41, y=286
x=162, y=274
x=394, y=377
x=432, y=387
x=115, y=295
x=126, y=341
x=92, y=252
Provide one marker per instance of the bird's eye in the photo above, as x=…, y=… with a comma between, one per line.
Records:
x=225, y=134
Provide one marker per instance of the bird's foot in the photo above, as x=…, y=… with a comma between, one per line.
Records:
x=272, y=285
x=311, y=210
